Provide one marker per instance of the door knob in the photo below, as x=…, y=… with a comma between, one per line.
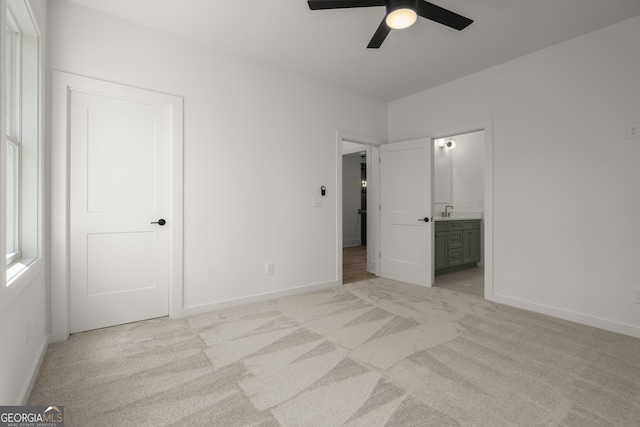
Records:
x=161, y=221
x=425, y=219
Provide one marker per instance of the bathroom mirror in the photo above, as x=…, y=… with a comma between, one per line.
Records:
x=442, y=176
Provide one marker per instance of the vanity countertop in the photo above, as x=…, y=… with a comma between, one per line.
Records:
x=459, y=217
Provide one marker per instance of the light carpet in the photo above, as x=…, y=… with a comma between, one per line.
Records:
x=372, y=353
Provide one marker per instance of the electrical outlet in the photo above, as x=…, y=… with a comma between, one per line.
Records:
x=633, y=131
x=270, y=269
x=636, y=295
x=28, y=338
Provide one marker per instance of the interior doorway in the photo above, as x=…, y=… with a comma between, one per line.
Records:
x=157, y=264
x=355, y=223
x=459, y=212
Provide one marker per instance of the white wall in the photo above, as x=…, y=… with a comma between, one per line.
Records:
x=351, y=199
x=259, y=143
x=565, y=177
x=25, y=300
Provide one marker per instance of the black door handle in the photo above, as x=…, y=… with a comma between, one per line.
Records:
x=425, y=219
x=161, y=221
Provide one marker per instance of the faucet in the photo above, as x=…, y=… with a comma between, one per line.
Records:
x=446, y=212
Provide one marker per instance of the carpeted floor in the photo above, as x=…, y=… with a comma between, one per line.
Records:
x=371, y=353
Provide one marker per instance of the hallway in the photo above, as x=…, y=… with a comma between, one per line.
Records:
x=354, y=264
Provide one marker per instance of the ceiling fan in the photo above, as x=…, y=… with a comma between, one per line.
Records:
x=400, y=14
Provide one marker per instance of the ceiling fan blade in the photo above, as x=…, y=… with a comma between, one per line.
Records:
x=342, y=4
x=442, y=16
x=381, y=33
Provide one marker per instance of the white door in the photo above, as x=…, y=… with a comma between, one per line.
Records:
x=118, y=186
x=405, y=211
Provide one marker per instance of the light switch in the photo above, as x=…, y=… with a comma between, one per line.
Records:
x=317, y=201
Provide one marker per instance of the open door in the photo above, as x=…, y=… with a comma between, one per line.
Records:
x=405, y=211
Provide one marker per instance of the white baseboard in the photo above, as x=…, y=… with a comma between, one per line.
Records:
x=371, y=267
x=351, y=243
x=219, y=305
x=35, y=369
x=596, y=322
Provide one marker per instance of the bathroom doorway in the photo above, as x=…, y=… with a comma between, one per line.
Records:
x=459, y=212
x=355, y=222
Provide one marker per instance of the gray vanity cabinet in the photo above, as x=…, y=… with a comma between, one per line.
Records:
x=470, y=241
x=441, y=256
x=457, y=244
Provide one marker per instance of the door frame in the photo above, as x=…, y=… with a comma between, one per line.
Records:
x=488, y=216
x=373, y=197
x=62, y=84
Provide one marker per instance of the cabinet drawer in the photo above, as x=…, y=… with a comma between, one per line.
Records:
x=454, y=225
x=454, y=239
x=455, y=257
x=470, y=225
x=441, y=226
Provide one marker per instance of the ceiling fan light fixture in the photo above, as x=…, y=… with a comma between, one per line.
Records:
x=399, y=14
x=399, y=19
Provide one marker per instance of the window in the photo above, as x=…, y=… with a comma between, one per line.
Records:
x=13, y=139
x=23, y=199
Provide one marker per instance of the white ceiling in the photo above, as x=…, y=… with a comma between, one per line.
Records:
x=330, y=45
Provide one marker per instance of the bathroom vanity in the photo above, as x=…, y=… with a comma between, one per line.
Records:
x=457, y=244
